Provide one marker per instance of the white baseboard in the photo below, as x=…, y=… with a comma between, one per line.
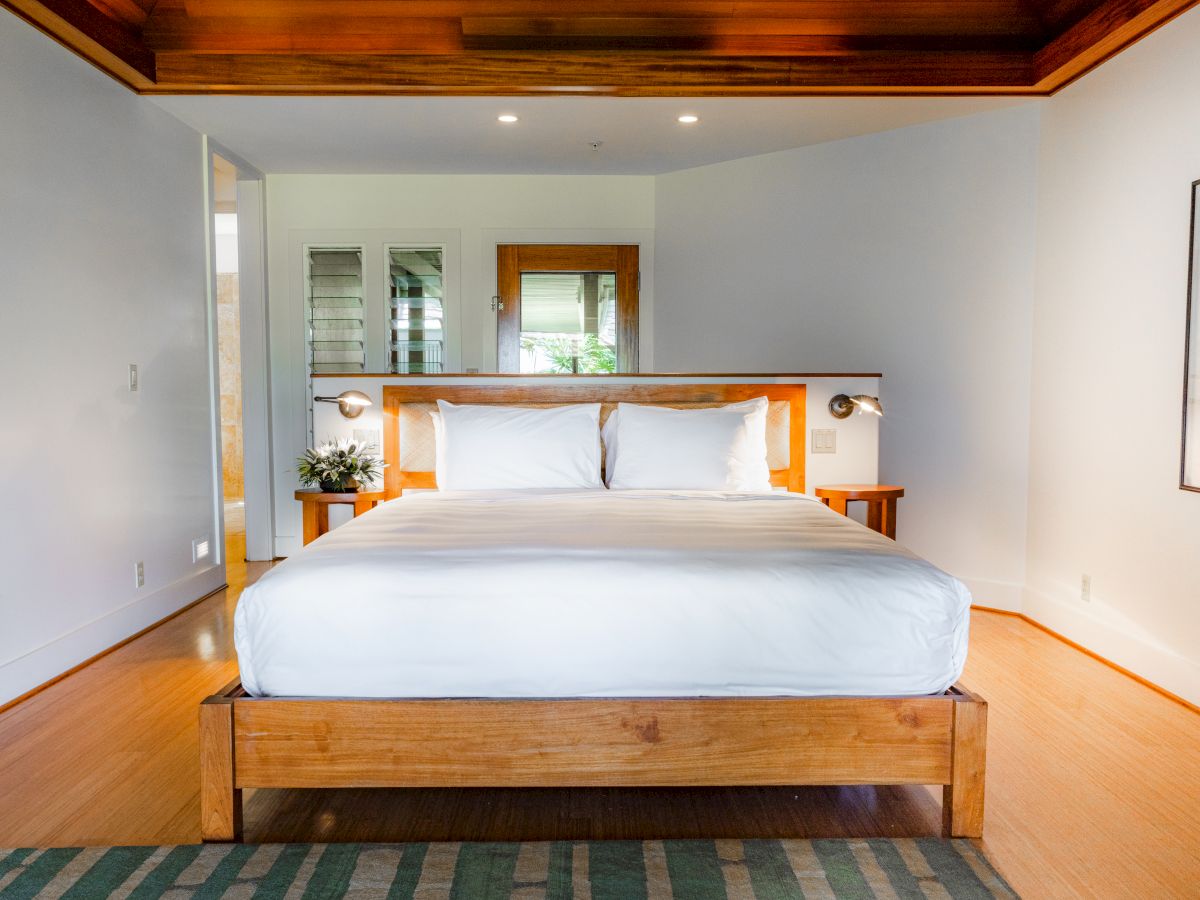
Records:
x=44, y=663
x=1107, y=633
x=995, y=594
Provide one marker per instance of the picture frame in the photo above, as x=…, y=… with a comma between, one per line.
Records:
x=1189, y=468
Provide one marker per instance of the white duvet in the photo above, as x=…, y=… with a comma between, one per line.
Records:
x=601, y=594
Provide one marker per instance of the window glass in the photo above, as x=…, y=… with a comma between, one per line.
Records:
x=335, y=310
x=568, y=322
x=416, y=315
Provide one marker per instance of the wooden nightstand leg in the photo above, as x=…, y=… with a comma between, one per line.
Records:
x=837, y=504
x=322, y=518
x=875, y=515
x=362, y=506
x=881, y=516
x=311, y=526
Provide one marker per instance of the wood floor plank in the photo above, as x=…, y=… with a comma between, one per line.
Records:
x=1096, y=799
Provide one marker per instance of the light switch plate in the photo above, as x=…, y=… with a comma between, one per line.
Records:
x=824, y=440
x=133, y=377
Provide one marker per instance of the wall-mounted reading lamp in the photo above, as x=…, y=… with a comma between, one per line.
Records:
x=842, y=405
x=350, y=403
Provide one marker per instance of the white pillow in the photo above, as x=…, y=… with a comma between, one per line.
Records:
x=439, y=446
x=721, y=448
x=505, y=447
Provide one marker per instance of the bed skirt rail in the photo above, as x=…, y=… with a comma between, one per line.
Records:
x=248, y=742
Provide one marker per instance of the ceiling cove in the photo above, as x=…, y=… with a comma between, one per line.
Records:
x=647, y=48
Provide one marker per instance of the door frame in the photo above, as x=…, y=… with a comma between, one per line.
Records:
x=514, y=259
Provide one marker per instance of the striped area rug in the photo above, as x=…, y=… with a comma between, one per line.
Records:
x=583, y=870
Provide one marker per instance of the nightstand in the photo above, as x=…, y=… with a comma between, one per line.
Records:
x=317, y=503
x=880, y=499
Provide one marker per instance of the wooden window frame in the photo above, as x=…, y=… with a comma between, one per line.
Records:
x=514, y=259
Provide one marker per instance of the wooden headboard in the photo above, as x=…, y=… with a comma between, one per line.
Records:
x=408, y=446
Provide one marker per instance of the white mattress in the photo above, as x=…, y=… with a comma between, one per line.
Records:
x=601, y=594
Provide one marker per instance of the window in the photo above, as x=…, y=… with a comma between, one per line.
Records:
x=416, y=315
x=375, y=301
x=568, y=322
x=334, y=286
x=567, y=308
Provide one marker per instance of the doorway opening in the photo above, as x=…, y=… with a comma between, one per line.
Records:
x=229, y=356
x=238, y=344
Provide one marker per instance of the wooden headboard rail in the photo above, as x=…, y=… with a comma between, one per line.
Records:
x=683, y=395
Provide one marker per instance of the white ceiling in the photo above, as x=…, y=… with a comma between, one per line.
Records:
x=377, y=135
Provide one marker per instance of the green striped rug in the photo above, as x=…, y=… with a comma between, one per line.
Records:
x=591, y=870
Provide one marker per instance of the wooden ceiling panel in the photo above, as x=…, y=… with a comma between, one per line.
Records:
x=742, y=45
x=109, y=44
x=1102, y=33
x=173, y=30
x=613, y=47
x=130, y=12
x=663, y=26
x=1059, y=15
x=613, y=74
x=713, y=9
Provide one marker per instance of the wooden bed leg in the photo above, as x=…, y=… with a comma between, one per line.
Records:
x=962, y=799
x=220, y=800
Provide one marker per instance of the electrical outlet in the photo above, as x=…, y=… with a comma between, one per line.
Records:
x=1085, y=589
x=199, y=549
x=139, y=575
x=133, y=377
x=824, y=440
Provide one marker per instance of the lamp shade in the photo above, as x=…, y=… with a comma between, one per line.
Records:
x=350, y=403
x=843, y=404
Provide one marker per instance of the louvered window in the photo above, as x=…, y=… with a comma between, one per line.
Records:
x=335, y=310
x=417, y=337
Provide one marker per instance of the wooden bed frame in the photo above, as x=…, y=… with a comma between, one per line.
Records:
x=250, y=742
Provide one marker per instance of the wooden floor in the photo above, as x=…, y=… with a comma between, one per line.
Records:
x=1093, y=779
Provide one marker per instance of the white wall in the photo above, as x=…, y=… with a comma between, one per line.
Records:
x=102, y=249
x=470, y=214
x=1119, y=151
x=908, y=252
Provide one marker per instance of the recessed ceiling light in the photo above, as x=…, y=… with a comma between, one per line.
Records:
x=506, y=119
x=688, y=119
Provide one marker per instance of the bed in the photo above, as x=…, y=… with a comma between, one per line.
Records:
x=596, y=638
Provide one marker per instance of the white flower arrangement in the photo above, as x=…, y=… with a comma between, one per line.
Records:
x=339, y=466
